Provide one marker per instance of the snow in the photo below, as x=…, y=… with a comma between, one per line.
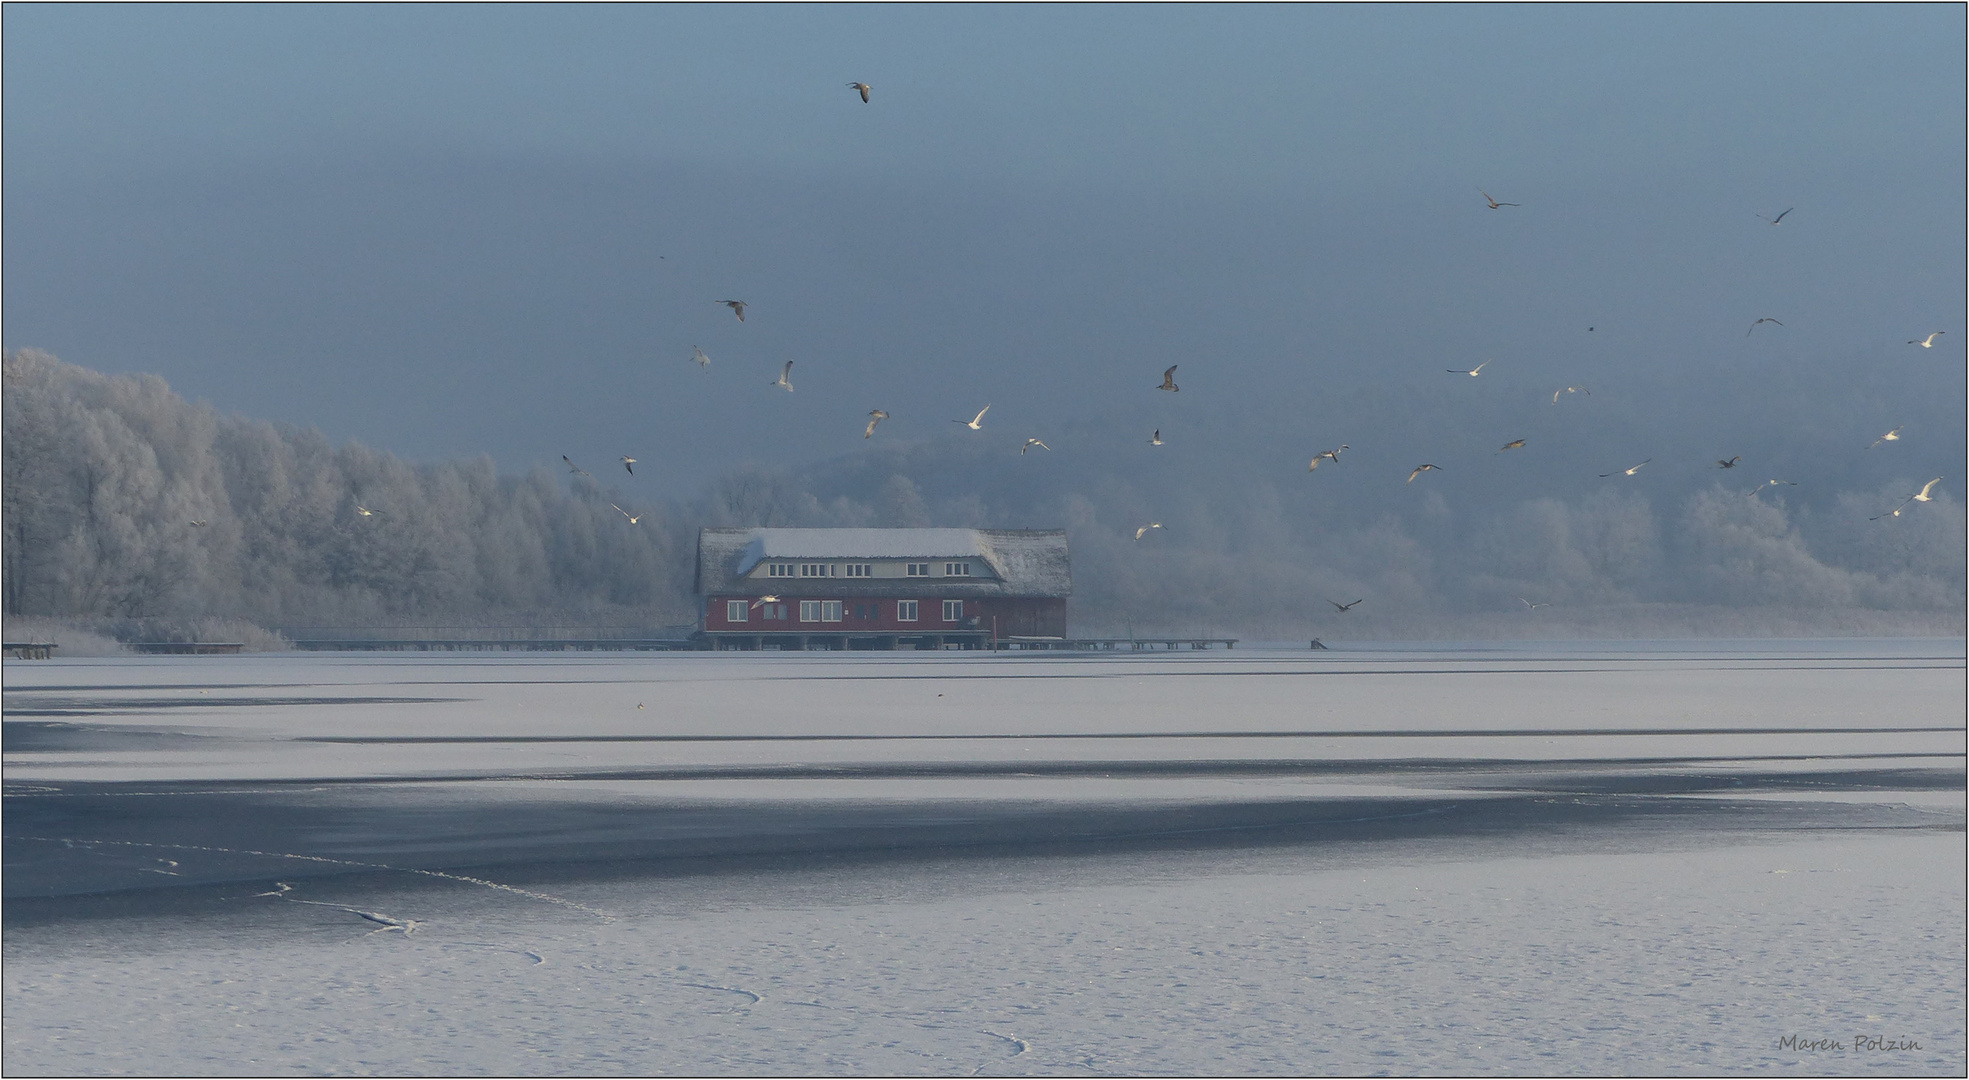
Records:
x=1530, y=859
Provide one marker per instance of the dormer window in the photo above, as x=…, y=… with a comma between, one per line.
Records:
x=813, y=569
x=779, y=569
x=957, y=569
x=919, y=569
x=860, y=570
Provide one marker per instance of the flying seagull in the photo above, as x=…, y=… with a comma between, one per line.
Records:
x=1494, y=204
x=1892, y=436
x=1156, y=439
x=1332, y=455
x=785, y=379
x=1472, y=372
x=1780, y=217
x=629, y=463
x=1919, y=496
x=365, y=511
x=863, y=87
x=1529, y=606
x=973, y=423
x=765, y=600
x=737, y=306
x=1929, y=341
x=875, y=416
x=1169, y=379
x=1341, y=606
x=1570, y=390
x=633, y=518
x=1514, y=444
x=1030, y=443
x=199, y=524
x=1759, y=323
x=1419, y=470
x=1730, y=464
x=697, y=354
x=1146, y=528
x=1772, y=483
x=1625, y=472
x=575, y=469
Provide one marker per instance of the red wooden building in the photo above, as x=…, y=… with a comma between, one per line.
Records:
x=881, y=588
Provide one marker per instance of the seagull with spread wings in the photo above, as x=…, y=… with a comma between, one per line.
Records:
x=1030, y=443
x=1570, y=390
x=574, y=469
x=1771, y=483
x=1514, y=444
x=1156, y=438
x=697, y=354
x=1730, y=464
x=633, y=518
x=1919, y=496
x=1169, y=380
x=1341, y=606
x=629, y=464
x=1929, y=341
x=1332, y=455
x=1144, y=529
x=976, y=423
x=785, y=380
x=875, y=416
x=1892, y=436
x=1759, y=323
x=1472, y=372
x=1494, y=204
x=737, y=306
x=1420, y=469
x=863, y=87
x=1780, y=217
x=1625, y=472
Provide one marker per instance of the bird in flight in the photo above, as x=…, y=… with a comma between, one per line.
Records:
x=574, y=469
x=1919, y=496
x=1472, y=372
x=765, y=600
x=863, y=87
x=785, y=377
x=1772, y=483
x=1332, y=455
x=1151, y=525
x=1780, y=217
x=633, y=518
x=199, y=524
x=1892, y=436
x=1156, y=439
x=1929, y=341
x=697, y=354
x=1419, y=470
x=1730, y=464
x=1759, y=323
x=737, y=306
x=1625, y=472
x=629, y=463
x=1494, y=204
x=1514, y=444
x=367, y=512
x=1341, y=606
x=973, y=423
x=1030, y=443
x=1529, y=606
x=875, y=416
x=1570, y=390
x=1169, y=379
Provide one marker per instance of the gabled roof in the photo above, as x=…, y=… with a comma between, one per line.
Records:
x=1025, y=562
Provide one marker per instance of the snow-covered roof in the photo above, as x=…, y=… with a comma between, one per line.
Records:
x=1025, y=562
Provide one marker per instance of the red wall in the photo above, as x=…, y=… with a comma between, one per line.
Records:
x=1015, y=616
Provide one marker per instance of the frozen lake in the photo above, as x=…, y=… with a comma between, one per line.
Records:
x=1500, y=858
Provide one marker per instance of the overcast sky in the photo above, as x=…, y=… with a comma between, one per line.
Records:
x=456, y=230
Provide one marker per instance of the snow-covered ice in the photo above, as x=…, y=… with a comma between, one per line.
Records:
x=1534, y=858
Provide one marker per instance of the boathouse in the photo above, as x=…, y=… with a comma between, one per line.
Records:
x=881, y=588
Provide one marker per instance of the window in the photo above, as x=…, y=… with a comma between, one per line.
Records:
x=953, y=611
x=919, y=569
x=772, y=612
x=737, y=610
x=859, y=569
x=957, y=569
x=905, y=611
x=779, y=569
x=830, y=611
x=809, y=611
x=815, y=569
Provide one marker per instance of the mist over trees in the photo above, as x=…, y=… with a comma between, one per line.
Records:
x=124, y=501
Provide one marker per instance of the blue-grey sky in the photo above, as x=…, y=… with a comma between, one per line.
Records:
x=453, y=230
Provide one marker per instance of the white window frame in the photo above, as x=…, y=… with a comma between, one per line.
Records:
x=957, y=569
x=737, y=610
x=905, y=611
x=953, y=611
x=830, y=611
x=779, y=569
x=809, y=611
x=860, y=570
x=918, y=569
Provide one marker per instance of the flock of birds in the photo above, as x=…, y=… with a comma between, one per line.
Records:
x=976, y=422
